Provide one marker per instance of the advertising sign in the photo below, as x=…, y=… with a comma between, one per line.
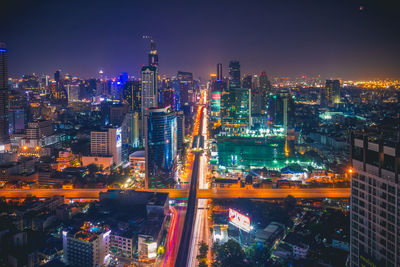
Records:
x=239, y=220
x=119, y=139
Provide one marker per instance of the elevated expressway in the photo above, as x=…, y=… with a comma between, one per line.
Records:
x=183, y=193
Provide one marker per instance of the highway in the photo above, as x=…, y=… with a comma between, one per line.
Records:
x=183, y=193
x=185, y=244
x=201, y=232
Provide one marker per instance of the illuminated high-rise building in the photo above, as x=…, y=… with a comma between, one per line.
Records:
x=167, y=97
x=57, y=76
x=235, y=110
x=153, y=56
x=332, y=92
x=4, y=131
x=219, y=72
x=234, y=73
x=186, y=87
x=247, y=82
x=149, y=88
x=107, y=142
x=374, y=202
x=161, y=147
x=132, y=95
x=281, y=109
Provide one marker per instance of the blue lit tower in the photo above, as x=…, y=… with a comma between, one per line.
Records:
x=4, y=134
x=161, y=147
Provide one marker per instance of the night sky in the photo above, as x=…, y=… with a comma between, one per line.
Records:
x=333, y=38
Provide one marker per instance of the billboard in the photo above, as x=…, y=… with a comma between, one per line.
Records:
x=119, y=139
x=239, y=220
x=215, y=101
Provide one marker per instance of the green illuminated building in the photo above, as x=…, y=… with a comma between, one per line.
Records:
x=235, y=110
x=251, y=152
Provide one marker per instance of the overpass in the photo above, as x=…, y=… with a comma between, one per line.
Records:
x=183, y=193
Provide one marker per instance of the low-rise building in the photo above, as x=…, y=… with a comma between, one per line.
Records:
x=87, y=246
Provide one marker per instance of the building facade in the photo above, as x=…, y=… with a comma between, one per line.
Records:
x=4, y=134
x=161, y=147
x=375, y=198
x=107, y=142
x=88, y=246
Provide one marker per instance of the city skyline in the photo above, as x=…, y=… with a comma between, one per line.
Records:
x=354, y=40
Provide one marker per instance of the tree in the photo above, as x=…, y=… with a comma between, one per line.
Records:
x=257, y=255
x=203, y=249
x=290, y=203
x=229, y=254
x=202, y=257
x=92, y=168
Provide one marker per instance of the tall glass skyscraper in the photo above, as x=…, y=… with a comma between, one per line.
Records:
x=234, y=73
x=161, y=147
x=4, y=134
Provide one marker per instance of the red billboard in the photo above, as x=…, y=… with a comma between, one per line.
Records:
x=239, y=220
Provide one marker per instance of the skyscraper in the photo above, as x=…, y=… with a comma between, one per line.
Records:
x=149, y=88
x=57, y=75
x=153, y=56
x=235, y=110
x=4, y=134
x=234, y=73
x=247, y=82
x=132, y=95
x=186, y=89
x=332, y=92
x=161, y=147
x=281, y=109
x=219, y=72
x=374, y=202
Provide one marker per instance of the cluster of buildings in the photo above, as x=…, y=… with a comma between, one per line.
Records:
x=72, y=122
x=37, y=232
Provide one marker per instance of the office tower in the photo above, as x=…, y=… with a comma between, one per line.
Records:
x=180, y=118
x=123, y=77
x=234, y=73
x=57, y=76
x=332, y=92
x=73, y=92
x=219, y=72
x=4, y=134
x=374, y=201
x=168, y=98
x=247, y=82
x=132, y=95
x=235, y=110
x=130, y=129
x=175, y=84
x=160, y=147
x=149, y=88
x=281, y=109
x=39, y=129
x=264, y=82
x=257, y=102
x=117, y=113
x=87, y=246
x=265, y=90
x=116, y=88
x=186, y=88
x=153, y=56
x=107, y=142
x=215, y=105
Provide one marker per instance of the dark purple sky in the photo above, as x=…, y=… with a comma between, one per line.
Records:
x=333, y=38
